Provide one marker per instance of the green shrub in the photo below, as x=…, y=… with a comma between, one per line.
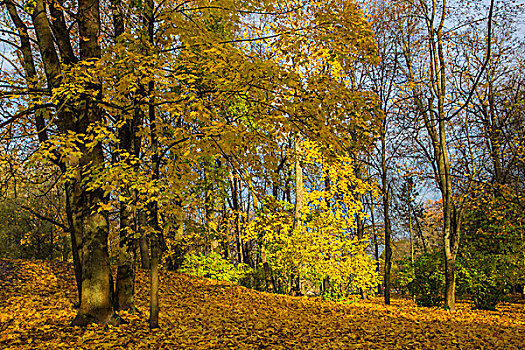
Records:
x=403, y=276
x=254, y=279
x=428, y=285
x=340, y=295
x=213, y=266
x=23, y=236
x=483, y=278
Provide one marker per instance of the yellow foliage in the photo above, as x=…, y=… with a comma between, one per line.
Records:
x=37, y=307
x=325, y=245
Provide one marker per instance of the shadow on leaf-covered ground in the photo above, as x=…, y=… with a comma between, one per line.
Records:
x=36, y=307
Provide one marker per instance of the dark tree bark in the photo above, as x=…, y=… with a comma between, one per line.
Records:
x=88, y=228
x=236, y=209
x=155, y=238
x=96, y=304
x=433, y=112
x=386, y=219
x=298, y=208
x=61, y=33
x=153, y=220
x=376, y=244
x=125, y=287
x=143, y=241
x=209, y=204
x=360, y=223
x=129, y=143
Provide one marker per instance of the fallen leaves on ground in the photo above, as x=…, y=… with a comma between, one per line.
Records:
x=36, y=307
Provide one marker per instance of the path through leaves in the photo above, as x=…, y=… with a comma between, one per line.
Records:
x=36, y=307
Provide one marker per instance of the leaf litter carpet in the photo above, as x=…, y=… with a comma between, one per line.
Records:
x=36, y=307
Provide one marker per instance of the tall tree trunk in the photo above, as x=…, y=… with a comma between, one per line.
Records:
x=125, y=288
x=226, y=230
x=75, y=239
x=143, y=241
x=51, y=68
x=325, y=285
x=209, y=206
x=154, y=279
x=299, y=202
x=299, y=195
x=88, y=227
x=237, y=212
x=149, y=23
x=96, y=304
x=154, y=223
x=386, y=218
x=432, y=110
x=376, y=244
x=359, y=219
x=409, y=187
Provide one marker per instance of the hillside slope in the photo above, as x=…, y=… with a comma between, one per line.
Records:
x=36, y=306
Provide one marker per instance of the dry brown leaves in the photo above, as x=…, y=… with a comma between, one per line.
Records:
x=36, y=307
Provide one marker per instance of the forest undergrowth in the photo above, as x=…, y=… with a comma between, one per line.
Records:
x=37, y=300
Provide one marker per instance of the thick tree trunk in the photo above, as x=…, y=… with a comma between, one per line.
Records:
x=268, y=278
x=143, y=241
x=129, y=143
x=154, y=282
x=125, y=288
x=450, y=279
x=88, y=227
x=52, y=69
x=96, y=304
x=75, y=239
x=154, y=224
x=156, y=252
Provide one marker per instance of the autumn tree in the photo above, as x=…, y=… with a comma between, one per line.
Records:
x=75, y=149
x=428, y=82
x=127, y=109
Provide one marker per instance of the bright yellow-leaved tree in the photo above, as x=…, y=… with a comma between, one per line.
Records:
x=325, y=246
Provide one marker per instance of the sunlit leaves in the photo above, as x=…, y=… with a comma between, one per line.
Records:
x=37, y=306
x=326, y=244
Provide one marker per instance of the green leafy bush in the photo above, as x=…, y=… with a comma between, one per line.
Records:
x=341, y=295
x=403, y=276
x=213, y=266
x=428, y=285
x=253, y=279
x=483, y=278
